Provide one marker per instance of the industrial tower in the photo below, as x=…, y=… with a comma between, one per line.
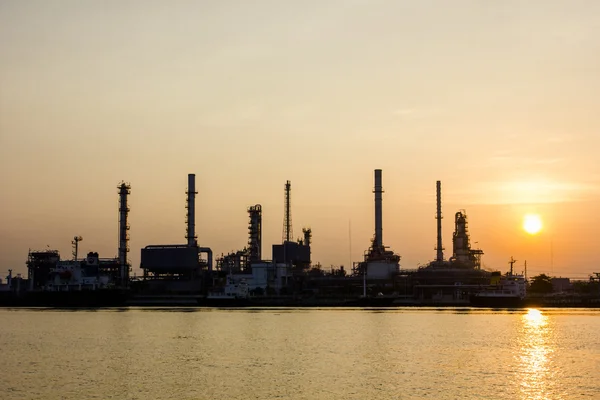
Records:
x=255, y=233
x=462, y=254
x=440, y=250
x=75, y=244
x=190, y=217
x=378, y=190
x=287, y=218
x=124, y=191
x=379, y=262
x=291, y=252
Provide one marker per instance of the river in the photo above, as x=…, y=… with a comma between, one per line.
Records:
x=195, y=353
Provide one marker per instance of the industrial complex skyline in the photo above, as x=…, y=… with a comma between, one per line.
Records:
x=498, y=101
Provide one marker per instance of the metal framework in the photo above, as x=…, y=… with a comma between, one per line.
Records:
x=287, y=219
x=75, y=244
x=462, y=254
x=255, y=233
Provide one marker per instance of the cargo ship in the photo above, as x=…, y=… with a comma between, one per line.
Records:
x=504, y=291
x=91, y=282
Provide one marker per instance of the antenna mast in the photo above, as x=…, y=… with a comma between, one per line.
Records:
x=511, y=262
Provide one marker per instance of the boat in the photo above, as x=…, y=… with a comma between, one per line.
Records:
x=87, y=283
x=504, y=291
x=231, y=295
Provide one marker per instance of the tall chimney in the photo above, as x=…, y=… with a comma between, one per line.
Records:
x=439, y=248
x=378, y=212
x=287, y=218
x=124, y=191
x=191, y=210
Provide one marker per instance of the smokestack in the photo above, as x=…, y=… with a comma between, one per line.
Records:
x=439, y=248
x=124, y=191
x=191, y=210
x=287, y=218
x=378, y=212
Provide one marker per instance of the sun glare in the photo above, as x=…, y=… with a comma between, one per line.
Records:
x=532, y=224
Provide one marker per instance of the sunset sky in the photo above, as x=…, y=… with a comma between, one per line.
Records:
x=498, y=100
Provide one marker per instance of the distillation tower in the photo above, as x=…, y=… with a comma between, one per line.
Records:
x=462, y=253
x=255, y=233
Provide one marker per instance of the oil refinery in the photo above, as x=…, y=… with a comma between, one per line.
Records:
x=190, y=274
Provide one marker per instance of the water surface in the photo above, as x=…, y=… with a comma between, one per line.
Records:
x=195, y=353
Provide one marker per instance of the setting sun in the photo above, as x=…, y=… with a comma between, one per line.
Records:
x=532, y=224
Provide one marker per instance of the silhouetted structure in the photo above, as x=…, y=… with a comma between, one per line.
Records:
x=379, y=262
x=124, y=191
x=178, y=261
x=462, y=254
x=287, y=218
x=255, y=233
x=289, y=252
x=439, y=247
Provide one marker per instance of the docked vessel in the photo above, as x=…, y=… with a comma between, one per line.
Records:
x=504, y=291
x=90, y=282
x=231, y=295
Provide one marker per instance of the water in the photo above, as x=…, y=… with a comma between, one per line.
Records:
x=299, y=354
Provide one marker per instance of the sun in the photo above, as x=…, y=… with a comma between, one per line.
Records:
x=532, y=223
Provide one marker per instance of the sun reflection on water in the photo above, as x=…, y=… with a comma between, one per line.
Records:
x=536, y=348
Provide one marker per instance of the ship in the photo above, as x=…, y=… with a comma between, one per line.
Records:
x=233, y=294
x=504, y=291
x=88, y=283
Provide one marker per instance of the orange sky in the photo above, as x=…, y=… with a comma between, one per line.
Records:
x=498, y=100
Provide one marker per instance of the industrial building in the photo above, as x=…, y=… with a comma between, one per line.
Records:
x=295, y=253
x=187, y=269
x=453, y=280
x=379, y=262
x=275, y=275
x=241, y=261
x=178, y=268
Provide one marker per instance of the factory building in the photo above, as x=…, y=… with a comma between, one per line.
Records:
x=453, y=280
x=179, y=262
x=379, y=262
x=290, y=252
x=241, y=261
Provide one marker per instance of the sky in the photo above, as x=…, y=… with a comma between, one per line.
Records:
x=498, y=100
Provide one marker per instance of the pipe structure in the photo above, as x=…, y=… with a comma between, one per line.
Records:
x=439, y=248
x=378, y=210
x=209, y=252
x=124, y=191
x=307, y=236
x=191, y=211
